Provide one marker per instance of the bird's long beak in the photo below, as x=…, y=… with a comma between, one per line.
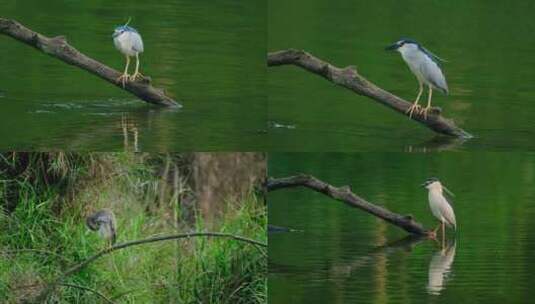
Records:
x=448, y=191
x=392, y=47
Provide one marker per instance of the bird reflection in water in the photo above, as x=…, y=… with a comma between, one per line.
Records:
x=440, y=268
x=129, y=126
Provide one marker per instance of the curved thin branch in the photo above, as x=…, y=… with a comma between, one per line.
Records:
x=59, y=48
x=344, y=194
x=88, y=289
x=349, y=78
x=52, y=286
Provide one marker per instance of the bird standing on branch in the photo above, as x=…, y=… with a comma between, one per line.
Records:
x=424, y=65
x=128, y=41
x=103, y=221
x=439, y=205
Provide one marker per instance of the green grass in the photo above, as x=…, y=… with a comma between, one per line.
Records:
x=195, y=270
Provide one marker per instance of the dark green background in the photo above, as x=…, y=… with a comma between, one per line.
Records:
x=488, y=45
x=209, y=55
x=494, y=206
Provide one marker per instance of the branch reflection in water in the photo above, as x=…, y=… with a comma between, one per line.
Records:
x=406, y=244
x=439, y=273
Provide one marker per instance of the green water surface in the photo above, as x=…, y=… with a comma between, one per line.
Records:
x=208, y=55
x=488, y=46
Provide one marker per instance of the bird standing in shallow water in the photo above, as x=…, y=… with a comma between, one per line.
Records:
x=439, y=204
x=128, y=41
x=103, y=221
x=424, y=65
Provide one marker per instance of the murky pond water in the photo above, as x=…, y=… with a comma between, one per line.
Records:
x=208, y=55
x=340, y=254
x=488, y=46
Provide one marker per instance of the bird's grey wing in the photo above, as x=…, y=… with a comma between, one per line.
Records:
x=435, y=57
x=102, y=221
x=447, y=212
x=432, y=72
x=113, y=233
x=448, y=197
x=137, y=42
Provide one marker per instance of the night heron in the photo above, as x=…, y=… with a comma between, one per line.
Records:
x=128, y=41
x=424, y=65
x=103, y=221
x=439, y=204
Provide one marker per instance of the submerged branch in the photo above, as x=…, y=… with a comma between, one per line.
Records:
x=349, y=78
x=344, y=194
x=52, y=286
x=59, y=48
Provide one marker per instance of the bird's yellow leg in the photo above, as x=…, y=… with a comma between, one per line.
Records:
x=136, y=74
x=433, y=234
x=428, y=102
x=124, y=78
x=443, y=234
x=415, y=106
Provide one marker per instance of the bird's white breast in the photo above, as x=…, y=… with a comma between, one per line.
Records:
x=435, y=200
x=129, y=43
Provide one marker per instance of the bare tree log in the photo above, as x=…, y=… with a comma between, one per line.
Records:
x=349, y=78
x=43, y=295
x=59, y=48
x=344, y=194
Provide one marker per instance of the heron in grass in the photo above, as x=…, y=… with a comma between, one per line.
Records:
x=439, y=204
x=425, y=66
x=128, y=41
x=103, y=221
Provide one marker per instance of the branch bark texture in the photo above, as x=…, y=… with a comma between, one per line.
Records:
x=349, y=78
x=344, y=194
x=59, y=48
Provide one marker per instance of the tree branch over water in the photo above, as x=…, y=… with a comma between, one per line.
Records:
x=344, y=194
x=49, y=288
x=349, y=78
x=59, y=48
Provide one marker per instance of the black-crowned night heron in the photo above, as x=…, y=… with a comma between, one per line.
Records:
x=424, y=65
x=103, y=221
x=439, y=204
x=128, y=41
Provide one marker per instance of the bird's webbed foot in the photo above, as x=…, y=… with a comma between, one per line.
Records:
x=123, y=79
